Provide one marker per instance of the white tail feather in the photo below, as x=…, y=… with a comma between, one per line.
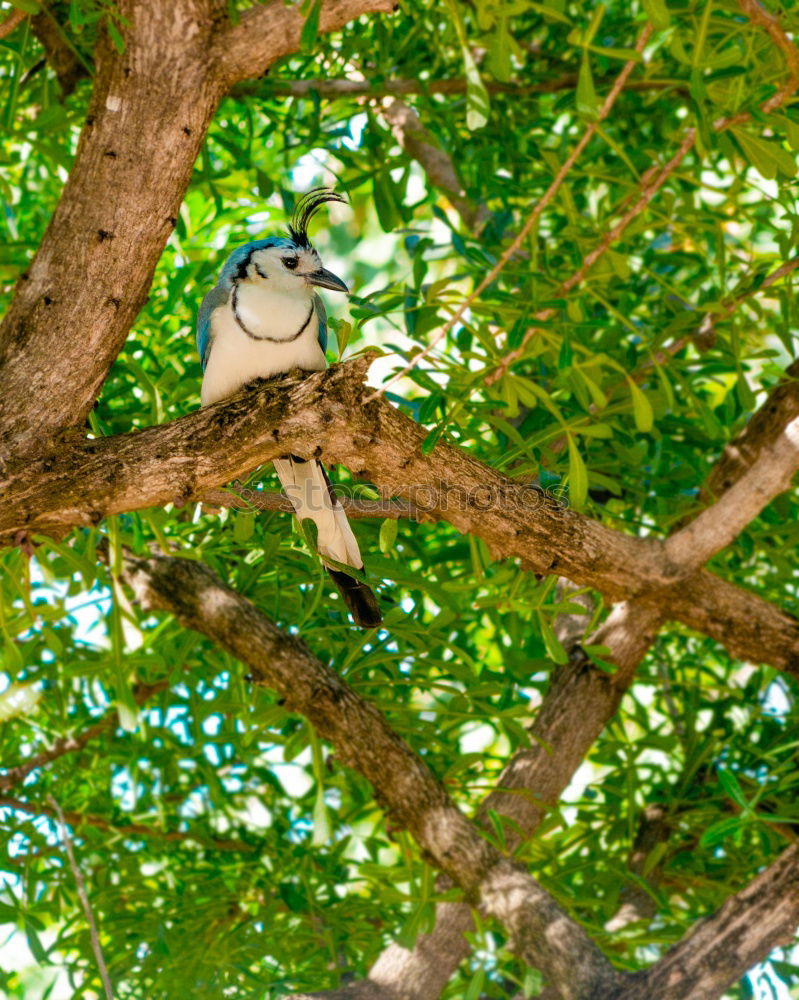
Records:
x=306, y=485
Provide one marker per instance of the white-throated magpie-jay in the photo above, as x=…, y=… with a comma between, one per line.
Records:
x=265, y=317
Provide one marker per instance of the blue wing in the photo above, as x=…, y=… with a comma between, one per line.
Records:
x=218, y=296
x=321, y=315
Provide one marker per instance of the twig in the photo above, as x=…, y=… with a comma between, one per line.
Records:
x=333, y=88
x=706, y=331
x=651, y=183
x=70, y=744
x=84, y=901
x=759, y=15
x=14, y=18
x=133, y=829
x=532, y=219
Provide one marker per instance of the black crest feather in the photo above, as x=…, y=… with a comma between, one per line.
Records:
x=306, y=208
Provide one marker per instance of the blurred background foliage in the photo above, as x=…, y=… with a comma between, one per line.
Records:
x=226, y=854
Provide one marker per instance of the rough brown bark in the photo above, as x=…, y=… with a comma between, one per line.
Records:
x=76, y=302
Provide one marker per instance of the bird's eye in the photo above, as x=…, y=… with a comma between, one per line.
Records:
x=290, y=263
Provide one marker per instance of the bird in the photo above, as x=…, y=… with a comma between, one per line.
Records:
x=262, y=318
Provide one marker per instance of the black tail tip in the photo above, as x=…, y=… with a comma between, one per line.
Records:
x=359, y=599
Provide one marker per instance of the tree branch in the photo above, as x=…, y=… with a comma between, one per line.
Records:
x=716, y=526
x=15, y=18
x=407, y=128
x=268, y=31
x=325, y=414
x=334, y=88
x=413, y=798
x=357, y=508
x=128, y=829
x=718, y=950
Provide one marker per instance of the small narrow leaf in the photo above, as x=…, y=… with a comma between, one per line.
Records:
x=586, y=95
x=554, y=647
x=657, y=13
x=642, y=408
x=388, y=534
x=578, y=476
x=477, y=102
x=310, y=29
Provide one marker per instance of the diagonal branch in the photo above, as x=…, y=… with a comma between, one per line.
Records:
x=716, y=526
x=407, y=128
x=413, y=798
x=15, y=18
x=325, y=415
x=335, y=87
x=718, y=950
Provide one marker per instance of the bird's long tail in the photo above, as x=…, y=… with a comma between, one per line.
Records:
x=307, y=486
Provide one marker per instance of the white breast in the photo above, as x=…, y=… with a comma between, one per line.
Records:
x=236, y=358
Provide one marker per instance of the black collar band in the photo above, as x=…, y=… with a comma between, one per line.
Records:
x=273, y=340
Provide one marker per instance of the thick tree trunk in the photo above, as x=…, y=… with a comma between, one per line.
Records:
x=147, y=120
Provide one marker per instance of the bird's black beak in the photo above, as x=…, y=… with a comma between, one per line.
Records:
x=326, y=279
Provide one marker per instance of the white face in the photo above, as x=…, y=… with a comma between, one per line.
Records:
x=285, y=270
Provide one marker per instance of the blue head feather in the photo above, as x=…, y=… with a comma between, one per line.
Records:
x=238, y=260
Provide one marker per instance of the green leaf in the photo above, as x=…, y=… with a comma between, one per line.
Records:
x=321, y=820
x=478, y=105
x=38, y=950
x=642, y=408
x=657, y=13
x=243, y=526
x=116, y=37
x=720, y=831
x=729, y=783
x=387, y=213
x=586, y=94
x=310, y=532
x=765, y=155
x=578, y=477
x=388, y=534
x=310, y=30
x=554, y=646
x=343, y=334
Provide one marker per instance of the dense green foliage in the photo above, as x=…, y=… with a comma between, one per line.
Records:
x=314, y=884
